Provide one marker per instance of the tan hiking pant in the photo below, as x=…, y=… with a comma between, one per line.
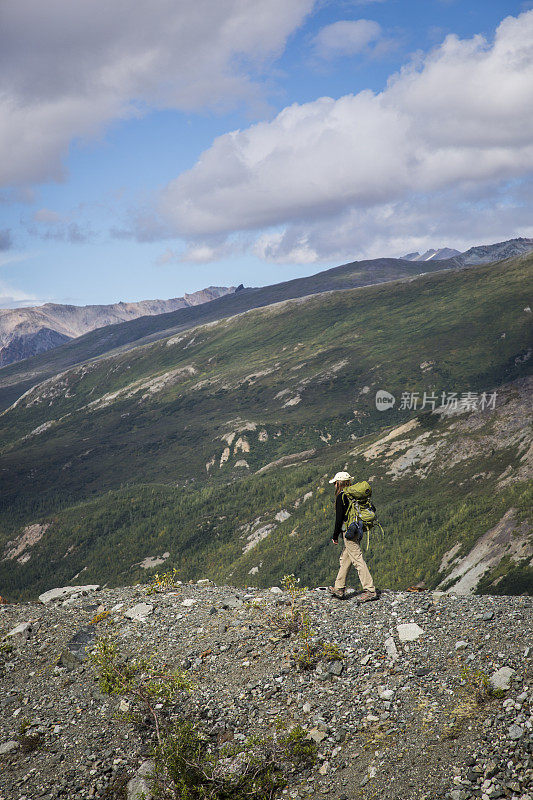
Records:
x=352, y=554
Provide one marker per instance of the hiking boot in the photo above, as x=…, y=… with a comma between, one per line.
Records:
x=340, y=594
x=366, y=597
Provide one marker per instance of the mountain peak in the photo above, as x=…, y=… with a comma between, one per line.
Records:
x=433, y=255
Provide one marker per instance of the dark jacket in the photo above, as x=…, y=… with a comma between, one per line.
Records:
x=342, y=504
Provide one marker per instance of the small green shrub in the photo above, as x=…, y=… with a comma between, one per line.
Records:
x=478, y=686
x=114, y=676
x=149, y=685
x=162, y=583
x=294, y=620
x=188, y=766
x=331, y=652
x=307, y=652
x=298, y=750
x=6, y=648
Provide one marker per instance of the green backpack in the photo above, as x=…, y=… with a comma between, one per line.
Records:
x=361, y=512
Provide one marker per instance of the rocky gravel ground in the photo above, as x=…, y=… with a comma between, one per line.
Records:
x=431, y=700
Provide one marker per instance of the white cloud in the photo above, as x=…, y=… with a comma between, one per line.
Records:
x=453, y=218
x=205, y=252
x=68, y=69
x=451, y=123
x=346, y=38
x=10, y=297
x=201, y=254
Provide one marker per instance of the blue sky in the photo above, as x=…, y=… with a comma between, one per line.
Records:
x=155, y=148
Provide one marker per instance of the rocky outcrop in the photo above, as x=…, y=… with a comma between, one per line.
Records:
x=26, y=332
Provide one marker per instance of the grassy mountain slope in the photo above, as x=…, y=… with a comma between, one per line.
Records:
x=18, y=378
x=143, y=452
x=439, y=484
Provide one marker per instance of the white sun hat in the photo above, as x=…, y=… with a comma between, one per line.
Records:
x=341, y=476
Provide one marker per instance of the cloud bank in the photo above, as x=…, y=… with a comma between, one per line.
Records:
x=68, y=69
x=452, y=131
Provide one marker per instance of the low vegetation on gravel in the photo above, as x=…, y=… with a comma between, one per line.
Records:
x=192, y=692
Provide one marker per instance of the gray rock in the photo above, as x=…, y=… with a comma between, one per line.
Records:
x=233, y=766
x=458, y=794
x=23, y=631
x=66, y=591
x=409, y=631
x=391, y=649
x=140, y=784
x=139, y=612
x=68, y=660
x=8, y=747
x=232, y=602
x=462, y=645
x=516, y=732
x=76, y=650
x=316, y=735
x=335, y=667
x=501, y=679
x=421, y=672
x=487, y=616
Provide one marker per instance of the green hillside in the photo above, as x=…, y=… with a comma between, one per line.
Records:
x=18, y=378
x=155, y=449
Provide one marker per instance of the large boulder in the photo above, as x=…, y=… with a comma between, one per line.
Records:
x=66, y=591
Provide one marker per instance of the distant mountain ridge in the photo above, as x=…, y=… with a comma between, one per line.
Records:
x=481, y=254
x=26, y=332
x=485, y=254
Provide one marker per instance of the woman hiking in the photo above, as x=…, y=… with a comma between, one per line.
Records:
x=352, y=553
